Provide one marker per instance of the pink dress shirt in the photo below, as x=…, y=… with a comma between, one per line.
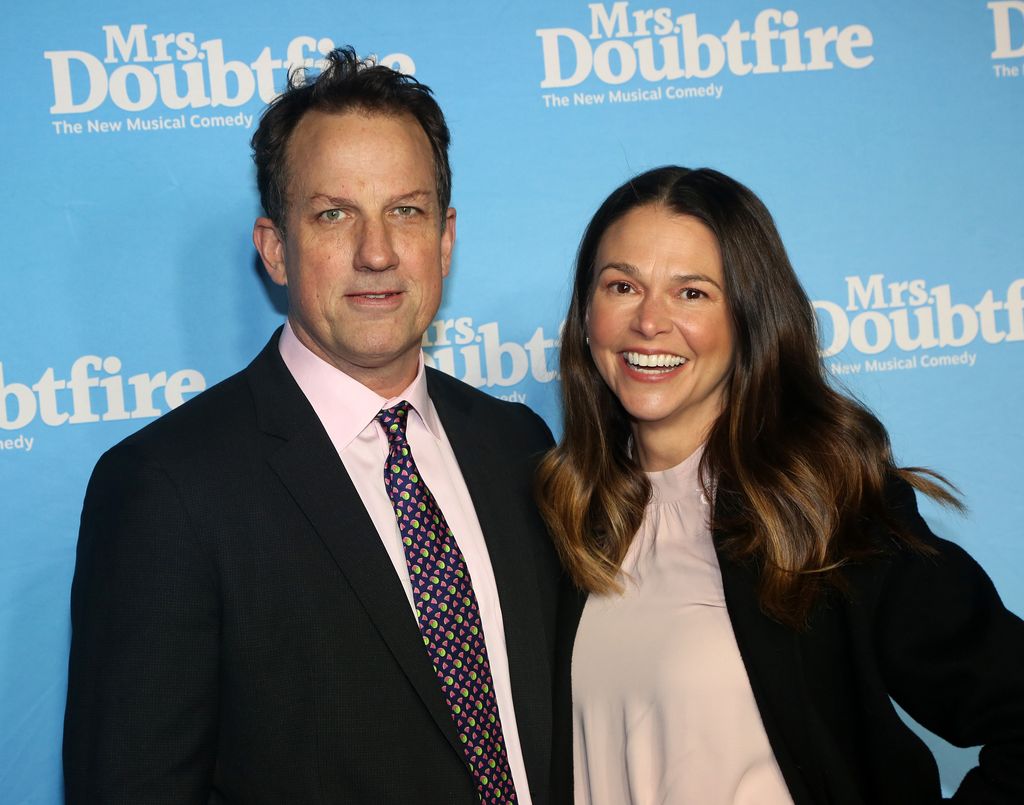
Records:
x=346, y=408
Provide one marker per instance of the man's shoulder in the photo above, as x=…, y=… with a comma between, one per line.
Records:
x=221, y=409
x=477, y=408
x=222, y=419
x=458, y=391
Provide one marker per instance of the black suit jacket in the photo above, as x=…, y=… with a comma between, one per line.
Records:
x=926, y=631
x=239, y=634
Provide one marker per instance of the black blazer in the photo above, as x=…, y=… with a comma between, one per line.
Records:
x=928, y=631
x=239, y=634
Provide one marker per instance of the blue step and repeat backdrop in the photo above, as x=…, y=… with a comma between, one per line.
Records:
x=887, y=139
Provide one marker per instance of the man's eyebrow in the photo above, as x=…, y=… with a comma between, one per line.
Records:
x=412, y=195
x=343, y=201
x=334, y=201
x=632, y=271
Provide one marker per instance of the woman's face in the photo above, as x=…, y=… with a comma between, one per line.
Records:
x=659, y=325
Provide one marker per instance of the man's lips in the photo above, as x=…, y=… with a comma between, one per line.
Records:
x=374, y=296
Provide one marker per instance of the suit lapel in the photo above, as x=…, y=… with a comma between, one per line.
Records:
x=514, y=574
x=310, y=469
x=771, y=655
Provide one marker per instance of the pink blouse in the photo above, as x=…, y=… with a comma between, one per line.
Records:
x=663, y=710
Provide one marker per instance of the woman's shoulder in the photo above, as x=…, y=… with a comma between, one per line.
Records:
x=910, y=567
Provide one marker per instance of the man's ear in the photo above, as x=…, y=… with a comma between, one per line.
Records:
x=447, y=241
x=269, y=242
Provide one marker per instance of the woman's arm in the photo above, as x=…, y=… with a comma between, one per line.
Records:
x=953, y=656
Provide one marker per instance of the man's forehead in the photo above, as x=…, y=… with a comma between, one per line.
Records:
x=359, y=157
x=355, y=124
x=364, y=143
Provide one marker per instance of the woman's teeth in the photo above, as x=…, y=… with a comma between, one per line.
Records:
x=640, y=360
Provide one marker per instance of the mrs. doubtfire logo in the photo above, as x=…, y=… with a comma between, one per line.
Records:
x=477, y=354
x=163, y=77
x=662, y=48
x=93, y=389
x=1008, y=38
x=927, y=325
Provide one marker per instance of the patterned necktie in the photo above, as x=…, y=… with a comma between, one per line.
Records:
x=448, y=615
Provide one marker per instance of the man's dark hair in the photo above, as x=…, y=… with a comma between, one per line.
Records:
x=346, y=83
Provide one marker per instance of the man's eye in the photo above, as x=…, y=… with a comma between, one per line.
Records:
x=332, y=215
x=406, y=212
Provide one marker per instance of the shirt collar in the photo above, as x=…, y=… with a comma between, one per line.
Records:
x=344, y=405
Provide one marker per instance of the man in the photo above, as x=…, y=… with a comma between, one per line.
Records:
x=323, y=579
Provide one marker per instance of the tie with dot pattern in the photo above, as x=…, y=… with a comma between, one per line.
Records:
x=448, y=615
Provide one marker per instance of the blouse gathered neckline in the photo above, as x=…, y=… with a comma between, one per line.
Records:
x=663, y=711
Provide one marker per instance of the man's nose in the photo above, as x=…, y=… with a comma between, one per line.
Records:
x=375, y=250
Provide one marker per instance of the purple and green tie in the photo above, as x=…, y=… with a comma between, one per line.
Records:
x=448, y=615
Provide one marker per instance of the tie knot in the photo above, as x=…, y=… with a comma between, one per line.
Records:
x=393, y=421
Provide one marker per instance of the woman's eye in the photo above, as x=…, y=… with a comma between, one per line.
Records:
x=620, y=287
x=692, y=293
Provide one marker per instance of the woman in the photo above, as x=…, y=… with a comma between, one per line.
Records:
x=756, y=580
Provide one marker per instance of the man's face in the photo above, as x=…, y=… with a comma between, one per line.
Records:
x=364, y=255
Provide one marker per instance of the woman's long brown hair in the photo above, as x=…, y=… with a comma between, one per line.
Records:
x=795, y=466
